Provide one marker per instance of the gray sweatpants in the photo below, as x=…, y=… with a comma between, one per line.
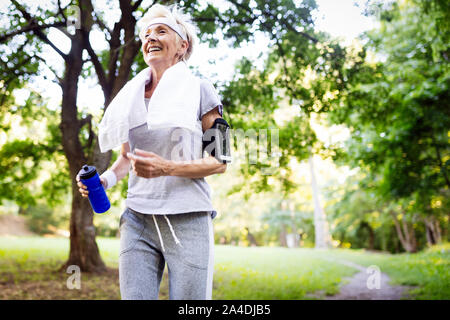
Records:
x=184, y=241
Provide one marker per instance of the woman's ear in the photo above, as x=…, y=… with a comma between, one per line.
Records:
x=184, y=48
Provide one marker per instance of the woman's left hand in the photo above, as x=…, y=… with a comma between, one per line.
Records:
x=148, y=164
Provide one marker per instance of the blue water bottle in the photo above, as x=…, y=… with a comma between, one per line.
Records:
x=97, y=195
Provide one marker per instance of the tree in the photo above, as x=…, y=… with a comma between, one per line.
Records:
x=28, y=32
x=396, y=112
x=303, y=72
x=323, y=238
x=113, y=67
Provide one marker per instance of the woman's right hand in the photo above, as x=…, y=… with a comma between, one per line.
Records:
x=83, y=189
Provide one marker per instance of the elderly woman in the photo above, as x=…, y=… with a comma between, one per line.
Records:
x=159, y=119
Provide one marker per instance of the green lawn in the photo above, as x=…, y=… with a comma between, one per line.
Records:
x=27, y=271
x=427, y=271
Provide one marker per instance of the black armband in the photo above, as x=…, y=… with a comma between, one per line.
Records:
x=216, y=141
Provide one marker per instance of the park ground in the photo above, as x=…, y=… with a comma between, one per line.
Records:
x=28, y=270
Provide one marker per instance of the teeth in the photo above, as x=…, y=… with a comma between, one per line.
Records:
x=154, y=49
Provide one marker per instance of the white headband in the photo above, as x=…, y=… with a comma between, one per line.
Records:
x=170, y=24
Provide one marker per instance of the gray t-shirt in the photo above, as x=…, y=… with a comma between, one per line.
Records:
x=169, y=194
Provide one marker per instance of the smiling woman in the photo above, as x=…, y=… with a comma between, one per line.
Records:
x=162, y=47
x=175, y=21
x=159, y=118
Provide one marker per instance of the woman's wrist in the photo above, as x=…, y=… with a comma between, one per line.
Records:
x=198, y=168
x=110, y=177
x=172, y=168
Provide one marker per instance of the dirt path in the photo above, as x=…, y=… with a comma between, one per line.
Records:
x=357, y=287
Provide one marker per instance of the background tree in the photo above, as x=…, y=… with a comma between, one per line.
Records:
x=398, y=115
x=301, y=74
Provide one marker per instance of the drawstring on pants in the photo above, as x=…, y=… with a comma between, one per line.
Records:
x=171, y=230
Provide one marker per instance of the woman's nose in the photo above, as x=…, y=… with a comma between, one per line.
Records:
x=151, y=35
x=150, y=38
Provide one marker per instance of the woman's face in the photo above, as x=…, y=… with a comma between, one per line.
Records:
x=160, y=46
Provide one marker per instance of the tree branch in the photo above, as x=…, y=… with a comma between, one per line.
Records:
x=38, y=32
x=101, y=24
x=114, y=42
x=84, y=121
x=118, y=77
x=146, y=9
x=268, y=28
x=286, y=81
x=32, y=26
x=59, y=80
x=131, y=41
x=66, y=33
x=61, y=11
x=96, y=62
x=136, y=5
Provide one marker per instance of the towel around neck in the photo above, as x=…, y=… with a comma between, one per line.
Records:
x=174, y=103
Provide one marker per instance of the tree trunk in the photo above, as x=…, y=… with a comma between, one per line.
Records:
x=430, y=239
x=300, y=239
x=251, y=238
x=283, y=240
x=433, y=230
x=412, y=237
x=322, y=236
x=83, y=248
x=406, y=236
x=438, y=231
x=371, y=244
x=22, y=211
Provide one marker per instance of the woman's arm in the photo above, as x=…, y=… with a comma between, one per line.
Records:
x=207, y=123
x=121, y=166
x=150, y=165
x=198, y=168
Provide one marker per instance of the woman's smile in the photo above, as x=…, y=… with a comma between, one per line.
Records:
x=153, y=49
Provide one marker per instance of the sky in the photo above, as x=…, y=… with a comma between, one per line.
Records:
x=339, y=18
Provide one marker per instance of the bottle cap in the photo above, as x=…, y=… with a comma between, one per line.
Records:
x=87, y=172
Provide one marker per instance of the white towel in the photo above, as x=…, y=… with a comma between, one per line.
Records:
x=174, y=103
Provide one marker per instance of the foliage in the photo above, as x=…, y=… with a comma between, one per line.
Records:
x=41, y=219
x=396, y=108
x=359, y=219
x=396, y=111
x=33, y=144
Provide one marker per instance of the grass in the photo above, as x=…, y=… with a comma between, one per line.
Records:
x=428, y=271
x=273, y=273
x=28, y=264
x=28, y=270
